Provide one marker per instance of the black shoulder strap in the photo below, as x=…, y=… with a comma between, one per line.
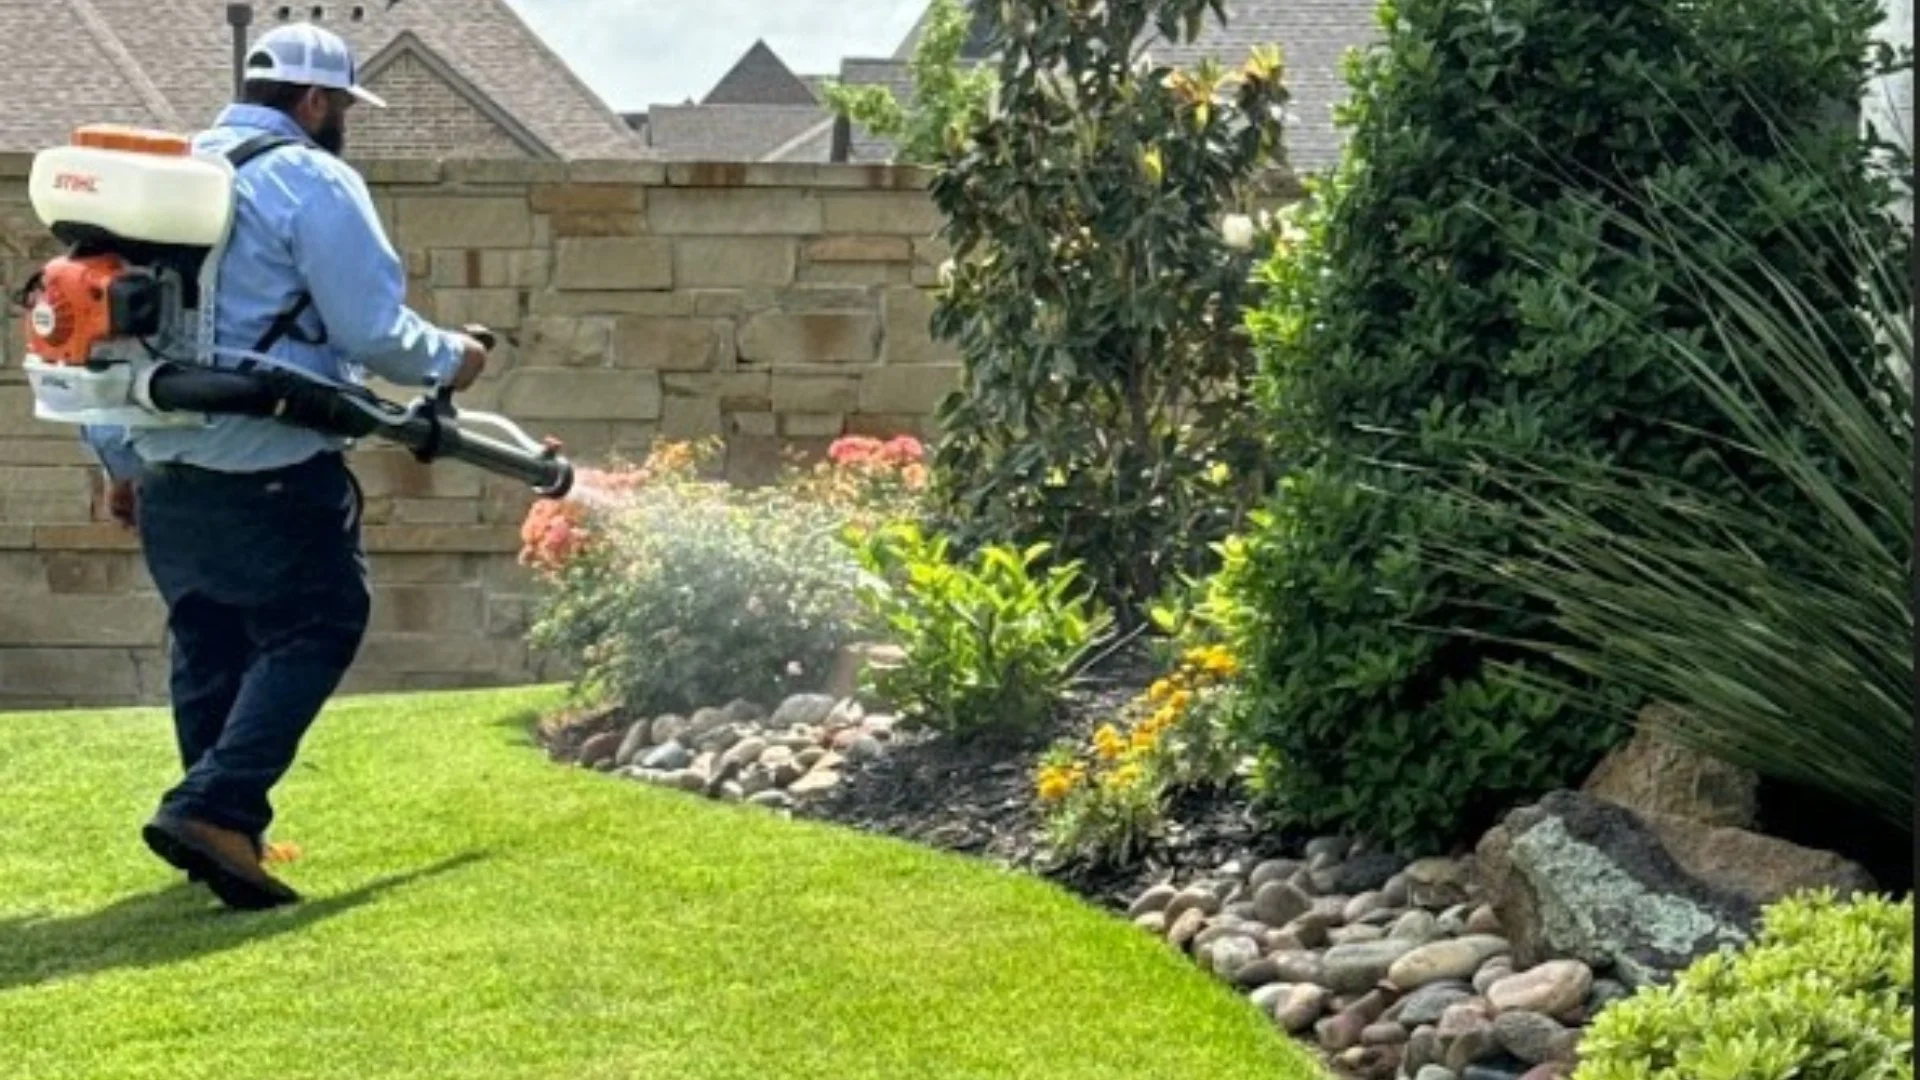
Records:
x=286, y=324
x=248, y=149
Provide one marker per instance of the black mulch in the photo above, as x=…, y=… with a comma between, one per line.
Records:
x=976, y=798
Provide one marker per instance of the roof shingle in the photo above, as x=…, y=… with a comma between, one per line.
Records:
x=729, y=132
x=1313, y=36
x=183, y=48
x=760, y=78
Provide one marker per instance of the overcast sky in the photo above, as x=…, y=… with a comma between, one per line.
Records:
x=639, y=53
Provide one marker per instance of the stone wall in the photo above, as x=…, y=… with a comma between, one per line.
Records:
x=773, y=306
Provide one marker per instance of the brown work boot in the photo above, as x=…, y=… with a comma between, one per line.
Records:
x=226, y=860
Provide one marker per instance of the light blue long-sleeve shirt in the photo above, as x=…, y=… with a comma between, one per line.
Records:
x=303, y=221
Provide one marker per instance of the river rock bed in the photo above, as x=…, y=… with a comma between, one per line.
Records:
x=1390, y=968
x=735, y=753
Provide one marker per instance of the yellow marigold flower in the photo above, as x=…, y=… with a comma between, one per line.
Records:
x=1145, y=738
x=1124, y=777
x=1179, y=702
x=1107, y=742
x=1056, y=783
x=1159, y=690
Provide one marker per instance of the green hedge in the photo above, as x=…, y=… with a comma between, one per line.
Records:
x=1413, y=330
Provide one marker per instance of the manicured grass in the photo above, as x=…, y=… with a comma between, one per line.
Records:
x=474, y=911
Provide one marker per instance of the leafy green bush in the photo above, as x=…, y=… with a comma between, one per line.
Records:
x=1825, y=992
x=990, y=648
x=1096, y=294
x=1798, y=666
x=688, y=591
x=1409, y=324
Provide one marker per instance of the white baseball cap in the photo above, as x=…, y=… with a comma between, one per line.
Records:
x=305, y=55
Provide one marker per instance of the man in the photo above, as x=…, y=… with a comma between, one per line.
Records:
x=251, y=527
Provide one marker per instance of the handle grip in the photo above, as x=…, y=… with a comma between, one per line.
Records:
x=443, y=396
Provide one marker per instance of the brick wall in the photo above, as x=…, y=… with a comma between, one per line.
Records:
x=775, y=306
x=426, y=118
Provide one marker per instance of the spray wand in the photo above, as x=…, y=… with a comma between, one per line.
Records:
x=431, y=427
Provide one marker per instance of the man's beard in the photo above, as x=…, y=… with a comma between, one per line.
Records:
x=332, y=136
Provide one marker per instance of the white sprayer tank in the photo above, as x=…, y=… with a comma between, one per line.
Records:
x=138, y=185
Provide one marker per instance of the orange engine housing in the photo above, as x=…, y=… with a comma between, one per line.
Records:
x=75, y=303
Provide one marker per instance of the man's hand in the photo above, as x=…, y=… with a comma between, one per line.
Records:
x=473, y=361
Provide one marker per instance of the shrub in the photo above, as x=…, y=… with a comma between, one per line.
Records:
x=1825, y=992
x=1106, y=801
x=689, y=591
x=1409, y=323
x=1798, y=666
x=990, y=648
x=1096, y=297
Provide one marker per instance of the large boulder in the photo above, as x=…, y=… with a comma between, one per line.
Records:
x=1655, y=775
x=1644, y=895
x=1760, y=868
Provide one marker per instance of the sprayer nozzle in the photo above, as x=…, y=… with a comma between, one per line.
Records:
x=562, y=484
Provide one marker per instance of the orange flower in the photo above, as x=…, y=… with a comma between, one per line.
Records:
x=552, y=533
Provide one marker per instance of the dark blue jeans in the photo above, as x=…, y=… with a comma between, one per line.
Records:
x=265, y=583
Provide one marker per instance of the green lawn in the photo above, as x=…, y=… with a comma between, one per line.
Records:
x=473, y=911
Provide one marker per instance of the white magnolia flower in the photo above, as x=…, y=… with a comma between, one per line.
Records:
x=1237, y=230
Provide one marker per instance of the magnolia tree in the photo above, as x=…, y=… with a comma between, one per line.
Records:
x=1094, y=298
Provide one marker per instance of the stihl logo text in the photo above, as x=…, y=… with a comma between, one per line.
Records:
x=79, y=182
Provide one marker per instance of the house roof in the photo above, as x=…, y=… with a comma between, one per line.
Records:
x=760, y=78
x=168, y=63
x=811, y=146
x=1313, y=36
x=409, y=44
x=730, y=132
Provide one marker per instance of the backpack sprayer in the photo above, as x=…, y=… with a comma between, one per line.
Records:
x=118, y=335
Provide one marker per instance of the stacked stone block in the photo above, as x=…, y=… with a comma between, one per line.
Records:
x=773, y=307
